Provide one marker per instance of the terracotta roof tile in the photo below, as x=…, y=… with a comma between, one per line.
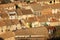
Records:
x=31, y=19
x=26, y=11
x=8, y=22
x=6, y=5
x=55, y=6
x=15, y=21
x=37, y=7
x=4, y=35
x=3, y=14
x=2, y=23
x=33, y=31
x=19, y=12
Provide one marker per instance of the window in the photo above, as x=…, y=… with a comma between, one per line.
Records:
x=35, y=24
x=12, y=17
x=50, y=1
x=37, y=13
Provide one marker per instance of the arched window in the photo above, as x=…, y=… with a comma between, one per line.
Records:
x=50, y=1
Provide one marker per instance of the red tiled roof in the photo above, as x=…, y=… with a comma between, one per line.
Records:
x=7, y=5
x=33, y=31
x=7, y=35
x=26, y=11
x=15, y=21
x=2, y=23
x=19, y=12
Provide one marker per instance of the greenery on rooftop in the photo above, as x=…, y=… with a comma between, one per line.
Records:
x=5, y=1
x=45, y=24
x=57, y=34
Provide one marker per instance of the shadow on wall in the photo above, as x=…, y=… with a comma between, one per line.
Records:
x=57, y=38
x=1, y=39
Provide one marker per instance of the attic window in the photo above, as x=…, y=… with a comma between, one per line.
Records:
x=37, y=13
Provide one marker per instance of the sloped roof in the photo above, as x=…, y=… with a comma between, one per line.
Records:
x=55, y=6
x=31, y=19
x=8, y=22
x=2, y=23
x=23, y=11
x=26, y=11
x=7, y=5
x=38, y=7
x=33, y=31
x=15, y=21
x=47, y=11
x=7, y=35
x=3, y=14
x=42, y=19
x=19, y=12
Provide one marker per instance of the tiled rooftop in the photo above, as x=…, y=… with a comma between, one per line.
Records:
x=21, y=18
